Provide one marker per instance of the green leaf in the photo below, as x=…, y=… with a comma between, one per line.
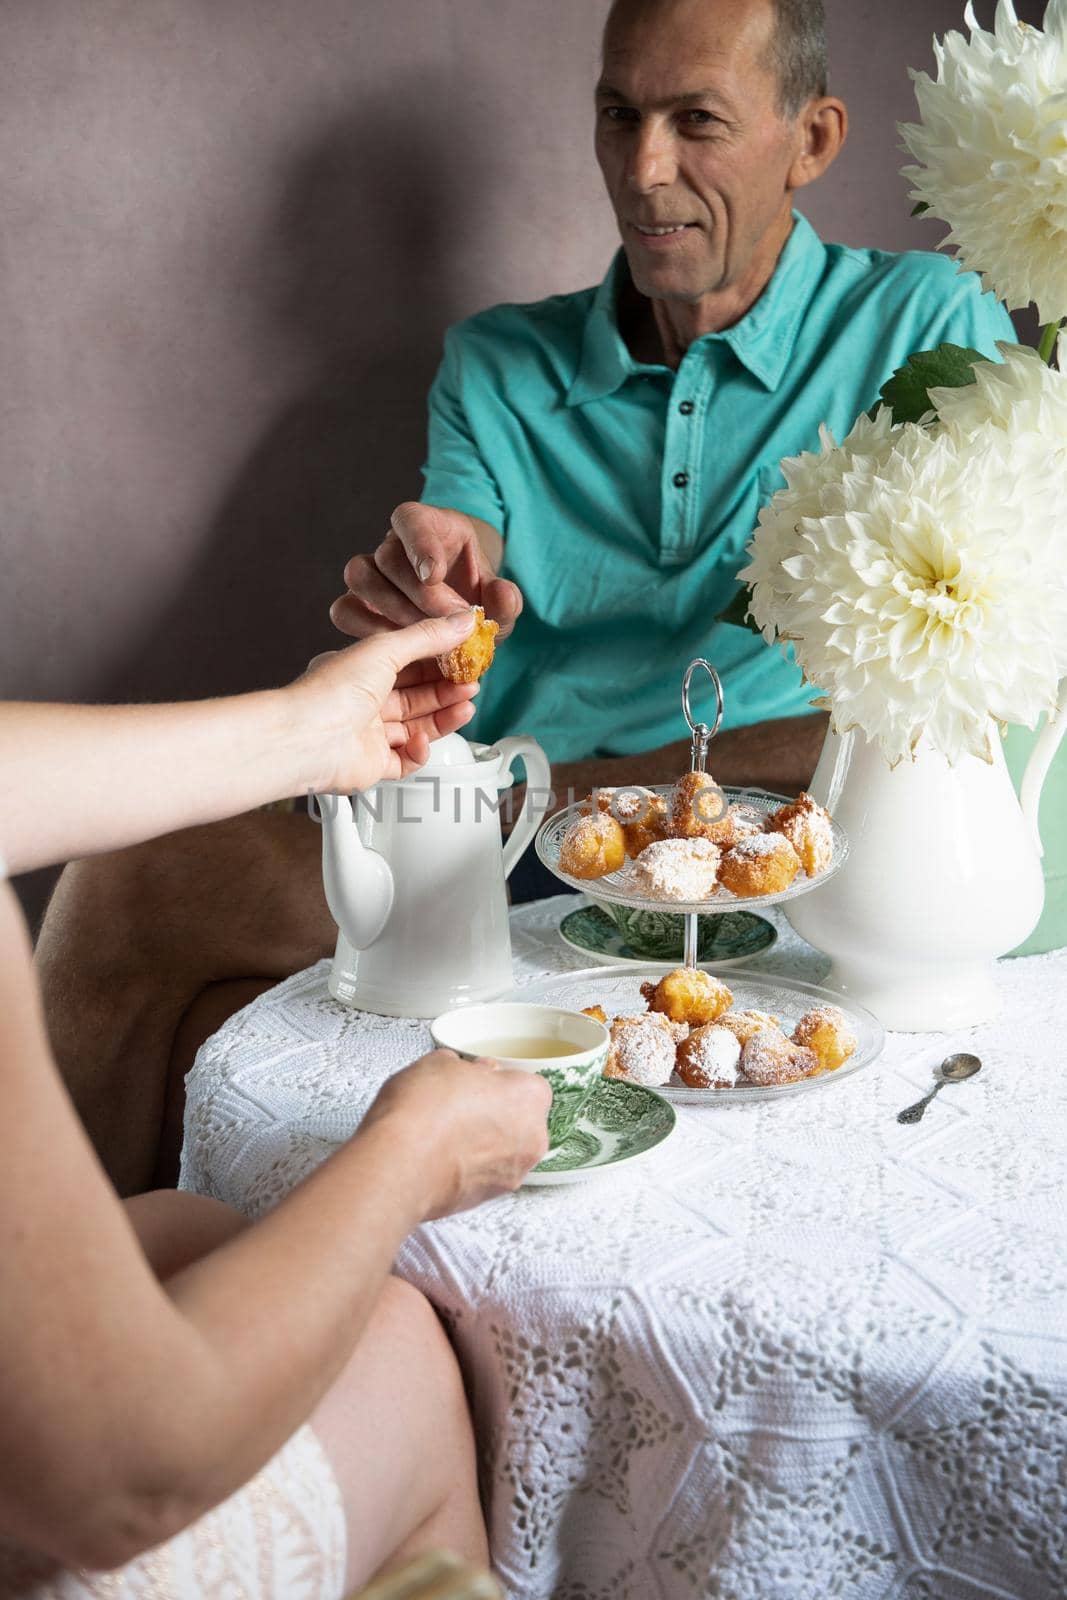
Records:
x=736, y=612
x=918, y=210
x=907, y=392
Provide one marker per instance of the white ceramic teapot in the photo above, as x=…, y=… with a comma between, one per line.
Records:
x=414, y=875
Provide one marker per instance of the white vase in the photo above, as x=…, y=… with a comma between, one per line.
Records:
x=943, y=875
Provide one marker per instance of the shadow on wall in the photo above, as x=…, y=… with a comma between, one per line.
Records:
x=355, y=269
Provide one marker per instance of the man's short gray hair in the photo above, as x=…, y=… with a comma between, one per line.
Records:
x=799, y=53
x=797, y=56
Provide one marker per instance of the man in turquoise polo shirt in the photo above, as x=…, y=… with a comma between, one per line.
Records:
x=599, y=458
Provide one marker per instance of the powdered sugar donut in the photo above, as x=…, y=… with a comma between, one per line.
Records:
x=688, y=994
x=697, y=806
x=677, y=869
x=643, y=1048
x=808, y=828
x=824, y=1030
x=743, y=1024
x=592, y=847
x=768, y=1058
x=710, y=1058
x=766, y=863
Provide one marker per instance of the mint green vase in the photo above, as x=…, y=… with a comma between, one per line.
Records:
x=1051, y=931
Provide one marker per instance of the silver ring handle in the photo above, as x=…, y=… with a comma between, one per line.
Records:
x=702, y=734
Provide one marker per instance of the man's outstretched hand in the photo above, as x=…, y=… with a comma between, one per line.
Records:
x=431, y=562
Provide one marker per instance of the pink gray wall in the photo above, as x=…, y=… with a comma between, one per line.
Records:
x=231, y=233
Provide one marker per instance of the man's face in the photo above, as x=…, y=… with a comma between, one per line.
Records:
x=689, y=138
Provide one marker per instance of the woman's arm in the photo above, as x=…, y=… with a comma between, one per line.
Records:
x=82, y=779
x=128, y=1408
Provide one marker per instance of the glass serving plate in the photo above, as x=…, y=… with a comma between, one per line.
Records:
x=619, y=992
x=618, y=888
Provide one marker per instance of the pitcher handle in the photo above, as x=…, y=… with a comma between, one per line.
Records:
x=538, y=781
x=842, y=762
x=1041, y=757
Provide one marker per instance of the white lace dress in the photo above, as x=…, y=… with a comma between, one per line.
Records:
x=281, y=1537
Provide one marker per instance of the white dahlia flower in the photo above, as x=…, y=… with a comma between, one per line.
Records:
x=1018, y=394
x=919, y=574
x=992, y=152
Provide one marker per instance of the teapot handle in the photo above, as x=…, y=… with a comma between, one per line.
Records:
x=538, y=781
x=1041, y=757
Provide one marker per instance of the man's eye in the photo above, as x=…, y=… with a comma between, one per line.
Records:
x=699, y=119
x=619, y=113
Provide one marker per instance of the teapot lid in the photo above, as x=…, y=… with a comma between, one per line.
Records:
x=455, y=751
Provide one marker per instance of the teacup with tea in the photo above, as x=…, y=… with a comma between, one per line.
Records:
x=566, y=1047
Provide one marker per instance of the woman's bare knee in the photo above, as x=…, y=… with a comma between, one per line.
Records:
x=396, y=1429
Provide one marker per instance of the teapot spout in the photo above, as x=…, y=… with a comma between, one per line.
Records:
x=357, y=881
x=1040, y=761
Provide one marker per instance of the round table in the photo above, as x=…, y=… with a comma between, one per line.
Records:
x=802, y=1351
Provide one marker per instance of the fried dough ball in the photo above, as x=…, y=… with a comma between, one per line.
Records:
x=740, y=822
x=768, y=1059
x=649, y=828
x=592, y=847
x=599, y=800
x=764, y=864
x=597, y=1013
x=688, y=995
x=697, y=805
x=624, y=804
x=709, y=1058
x=825, y=1031
x=808, y=829
x=677, y=869
x=468, y=661
x=641, y=814
x=743, y=1024
x=643, y=1048
x=774, y=1059
x=747, y=819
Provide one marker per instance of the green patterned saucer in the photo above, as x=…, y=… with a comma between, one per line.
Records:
x=621, y=1123
x=724, y=940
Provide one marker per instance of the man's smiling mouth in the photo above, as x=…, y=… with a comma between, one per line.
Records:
x=660, y=230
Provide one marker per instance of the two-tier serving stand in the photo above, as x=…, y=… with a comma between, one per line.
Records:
x=619, y=888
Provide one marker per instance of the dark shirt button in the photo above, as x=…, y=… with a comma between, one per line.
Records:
x=687, y=408
x=681, y=479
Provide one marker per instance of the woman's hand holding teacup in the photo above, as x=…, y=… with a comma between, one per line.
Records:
x=368, y=713
x=476, y=1128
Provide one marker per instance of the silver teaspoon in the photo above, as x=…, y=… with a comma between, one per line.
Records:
x=954, y=1069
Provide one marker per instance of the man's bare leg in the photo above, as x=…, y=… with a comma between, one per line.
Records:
x=132, y=939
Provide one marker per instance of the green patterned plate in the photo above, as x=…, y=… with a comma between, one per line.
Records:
x=724, y=940
x=621, y=1123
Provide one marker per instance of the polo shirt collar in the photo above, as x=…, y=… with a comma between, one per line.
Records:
x=762, y=341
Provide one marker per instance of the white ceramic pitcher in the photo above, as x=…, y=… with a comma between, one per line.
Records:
x=414, y=874
x=943, y=875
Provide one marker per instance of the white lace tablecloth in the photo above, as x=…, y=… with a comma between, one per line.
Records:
x=801, y=1352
